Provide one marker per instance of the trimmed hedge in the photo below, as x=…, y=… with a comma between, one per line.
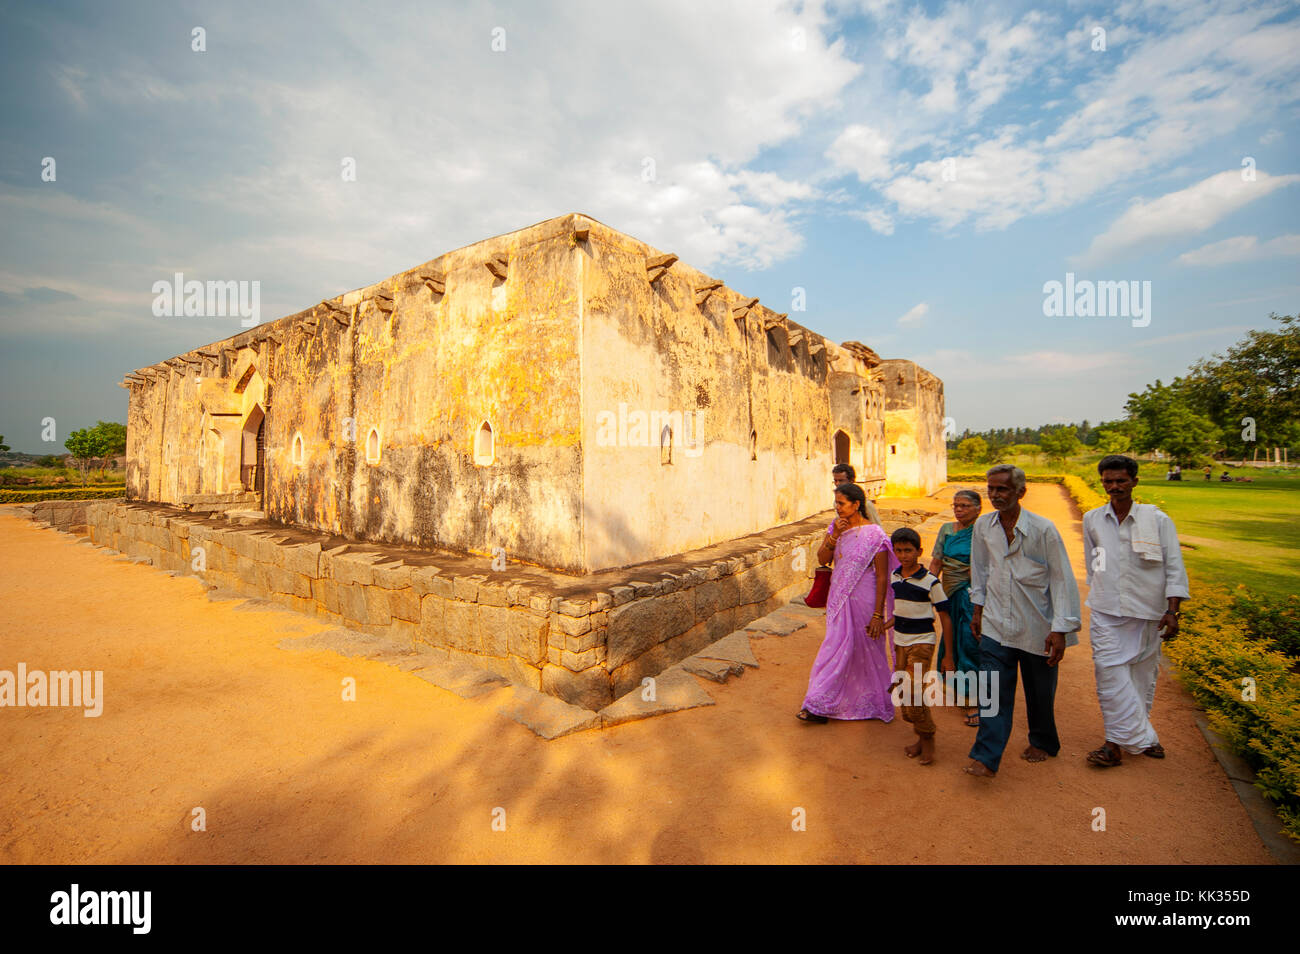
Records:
x=1080, y=492
x=1214, y=656
x=70, y=493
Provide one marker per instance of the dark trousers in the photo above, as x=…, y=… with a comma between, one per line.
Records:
x=1040, y=696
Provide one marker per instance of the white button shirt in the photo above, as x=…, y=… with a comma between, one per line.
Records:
x=1120, y=582
x=1026, y=587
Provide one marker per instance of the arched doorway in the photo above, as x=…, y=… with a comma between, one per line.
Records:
x=842, y=447
x=252, y=459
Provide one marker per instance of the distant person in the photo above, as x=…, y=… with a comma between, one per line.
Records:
x=951, y=556
x=1136, y=584
x=918, y=600
x=1178, y=472
x=1224, y=476
x=1026, y=612
x=845, y=474
x=852, y=674
x=1208, y=471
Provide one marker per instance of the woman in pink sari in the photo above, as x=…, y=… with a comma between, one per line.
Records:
x=852, y=675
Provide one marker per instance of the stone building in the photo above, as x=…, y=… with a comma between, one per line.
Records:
x=559, y=454
x=563, y=394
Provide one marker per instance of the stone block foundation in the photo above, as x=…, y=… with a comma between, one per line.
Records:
x=587, y=640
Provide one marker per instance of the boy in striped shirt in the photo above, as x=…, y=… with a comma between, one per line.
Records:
x=918, y=599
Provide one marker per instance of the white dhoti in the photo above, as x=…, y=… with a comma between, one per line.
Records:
x=1126, y=657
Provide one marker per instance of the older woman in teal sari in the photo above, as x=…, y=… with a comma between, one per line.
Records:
x=951, y=562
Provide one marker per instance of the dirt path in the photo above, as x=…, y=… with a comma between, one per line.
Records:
x=203, y=710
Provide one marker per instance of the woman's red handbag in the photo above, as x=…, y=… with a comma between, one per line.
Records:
x=821, y=587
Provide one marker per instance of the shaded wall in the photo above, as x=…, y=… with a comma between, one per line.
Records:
x=649, y=347
x=917, y=457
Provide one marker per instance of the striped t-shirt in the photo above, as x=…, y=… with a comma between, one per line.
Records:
x=917, y=599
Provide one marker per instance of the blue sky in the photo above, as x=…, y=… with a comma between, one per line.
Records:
x=921, y=170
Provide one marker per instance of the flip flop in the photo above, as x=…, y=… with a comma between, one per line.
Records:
x=805, y=716
x=1156, y=751
x=973, y=720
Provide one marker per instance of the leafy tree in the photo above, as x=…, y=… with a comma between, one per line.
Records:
x=114, y=435
x=1252, y=392
x=1169, y=424
x=1112, y=442
x=973, y=449
x=1059, y=443
x=84, y=446
x=997, y=454
x=1026, y=450
x=4, y=448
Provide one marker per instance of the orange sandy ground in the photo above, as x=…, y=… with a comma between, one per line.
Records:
x=203, y=709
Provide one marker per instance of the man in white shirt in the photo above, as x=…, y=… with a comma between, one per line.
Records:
x=1136, y=583
x=1025, y=612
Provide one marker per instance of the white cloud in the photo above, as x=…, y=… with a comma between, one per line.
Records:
x=1242, y=248
x=453, y=143
x=863, y=151
x=1186, y=212
x=73, y=82
x=1173, y=78
x=914, y=315
x=996, y=183
x=879, y=220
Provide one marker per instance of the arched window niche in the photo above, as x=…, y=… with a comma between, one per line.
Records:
x=484, y=445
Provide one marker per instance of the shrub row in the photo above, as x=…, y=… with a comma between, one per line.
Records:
x=69, y=493
x=1250, y=692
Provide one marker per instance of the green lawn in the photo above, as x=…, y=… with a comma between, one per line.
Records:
x=1243, y=533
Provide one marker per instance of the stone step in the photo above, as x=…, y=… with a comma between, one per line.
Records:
x=241, y=497
x=245, y=517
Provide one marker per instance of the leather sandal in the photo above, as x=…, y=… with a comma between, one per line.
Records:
x=1156, y=751
x=805, y=716
x=1104, y=757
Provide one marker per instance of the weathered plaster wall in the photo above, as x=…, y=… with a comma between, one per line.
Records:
x=649, y=347
x=917, y=458
x=423, y=369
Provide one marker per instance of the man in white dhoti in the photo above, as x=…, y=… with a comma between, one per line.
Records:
x=1136, y=584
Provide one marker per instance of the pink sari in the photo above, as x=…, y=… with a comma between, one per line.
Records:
x=852, y=673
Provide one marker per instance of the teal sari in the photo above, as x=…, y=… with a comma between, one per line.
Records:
x=956, y=561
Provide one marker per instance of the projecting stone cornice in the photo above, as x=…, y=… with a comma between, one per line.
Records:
x=657, y=265
x=862, y=353
x=702, y=292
